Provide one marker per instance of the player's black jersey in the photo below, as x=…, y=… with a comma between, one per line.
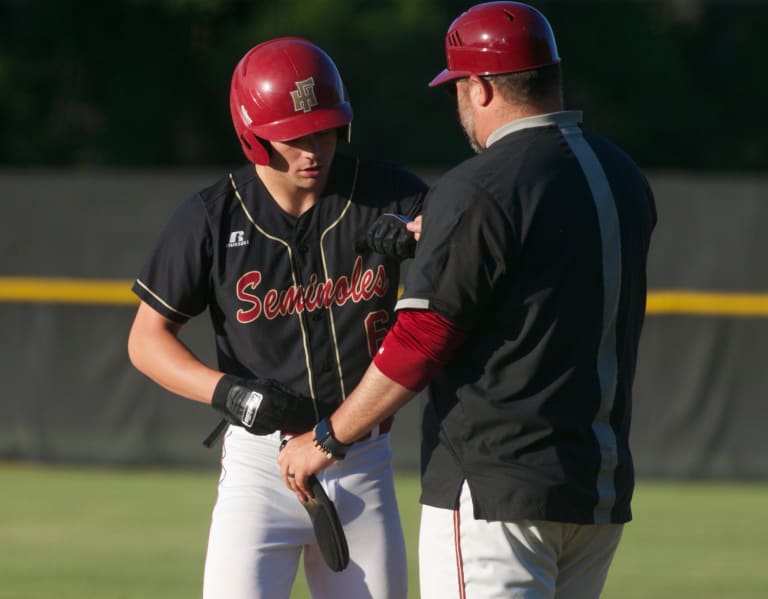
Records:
x=288, y=296
x=538, y=247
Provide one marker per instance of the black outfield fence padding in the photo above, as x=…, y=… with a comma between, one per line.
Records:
x=72, y=242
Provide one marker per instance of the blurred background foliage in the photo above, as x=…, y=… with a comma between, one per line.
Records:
x=144, y=83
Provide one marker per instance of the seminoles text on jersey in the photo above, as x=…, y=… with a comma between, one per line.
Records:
x=362, y=285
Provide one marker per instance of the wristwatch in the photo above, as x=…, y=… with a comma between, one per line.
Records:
x=327, y=443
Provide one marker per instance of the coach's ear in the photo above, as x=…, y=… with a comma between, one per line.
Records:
x=481, y=91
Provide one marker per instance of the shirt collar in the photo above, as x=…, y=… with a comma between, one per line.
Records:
x=565, y=117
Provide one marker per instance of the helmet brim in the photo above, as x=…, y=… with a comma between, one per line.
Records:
x=303, y=124
x=445, y=76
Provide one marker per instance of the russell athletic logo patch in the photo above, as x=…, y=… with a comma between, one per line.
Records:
x=237, y=239
x=304, y=95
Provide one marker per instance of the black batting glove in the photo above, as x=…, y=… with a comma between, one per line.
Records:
x=388, y=235
x=263, y=406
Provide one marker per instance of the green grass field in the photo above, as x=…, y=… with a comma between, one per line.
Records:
x=70, y=533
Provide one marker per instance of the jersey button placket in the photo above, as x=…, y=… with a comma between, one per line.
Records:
x=306, y=265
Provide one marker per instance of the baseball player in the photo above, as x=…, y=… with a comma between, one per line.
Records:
x=269, y=252
x=522, y=311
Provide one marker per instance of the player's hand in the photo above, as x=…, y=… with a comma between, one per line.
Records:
x=298, y=459
x=263, y=406
x=389, y=235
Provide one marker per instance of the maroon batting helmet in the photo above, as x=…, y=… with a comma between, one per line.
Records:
x=284, y=89
x=497, y=37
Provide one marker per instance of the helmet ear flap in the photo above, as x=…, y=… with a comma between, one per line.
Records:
x=257, y=150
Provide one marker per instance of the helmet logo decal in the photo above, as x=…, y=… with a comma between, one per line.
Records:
x=304, y=95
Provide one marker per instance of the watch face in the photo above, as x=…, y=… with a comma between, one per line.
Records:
x=327, y=443
x=322, y=430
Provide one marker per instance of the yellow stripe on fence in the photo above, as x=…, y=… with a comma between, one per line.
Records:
x=110, y=292
x=117, y=292
x=707, y=303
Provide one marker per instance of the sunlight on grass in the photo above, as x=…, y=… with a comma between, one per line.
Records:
x=76, y=533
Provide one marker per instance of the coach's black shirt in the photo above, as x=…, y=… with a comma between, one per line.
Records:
x=538, y=247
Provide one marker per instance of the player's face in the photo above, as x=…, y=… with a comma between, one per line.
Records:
x=305, y=161
x=466, y=116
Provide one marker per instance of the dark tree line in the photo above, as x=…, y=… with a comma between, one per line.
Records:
x=145, y=82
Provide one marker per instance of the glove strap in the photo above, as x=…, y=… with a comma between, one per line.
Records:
x=219, y=403
x=327, y=443
x=216, y=433
x=221, y=391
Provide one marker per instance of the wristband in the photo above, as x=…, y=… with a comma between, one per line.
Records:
x=327, y=443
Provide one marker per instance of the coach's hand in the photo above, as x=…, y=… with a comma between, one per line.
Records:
x=299, y=459
x=263, y=406
x=389, y=235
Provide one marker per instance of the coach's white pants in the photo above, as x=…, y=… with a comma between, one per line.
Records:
x=460, y=557
x=259, y=529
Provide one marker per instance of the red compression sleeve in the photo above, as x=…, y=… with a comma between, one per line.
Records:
x=417, y=346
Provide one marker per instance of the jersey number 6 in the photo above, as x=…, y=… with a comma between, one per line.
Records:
x=376, y=326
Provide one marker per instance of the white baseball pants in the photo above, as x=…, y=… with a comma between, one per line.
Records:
x=460, y=557
x=259, y=529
